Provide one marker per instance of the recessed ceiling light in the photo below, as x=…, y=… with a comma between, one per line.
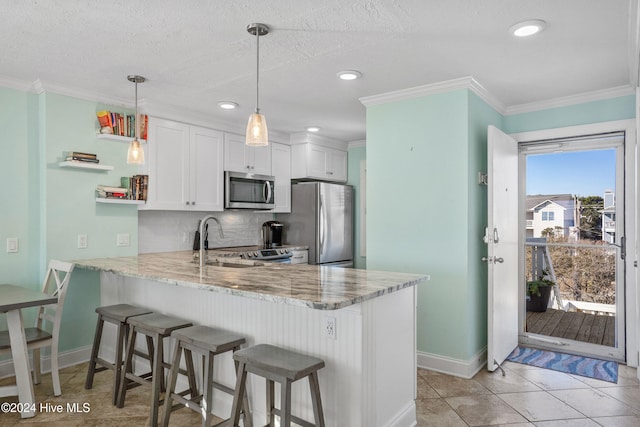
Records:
x=227, y=105
x=349, y=74
x=313, y=129
x=527, y=28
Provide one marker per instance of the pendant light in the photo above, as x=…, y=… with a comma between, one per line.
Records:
x=135, y=154
x=257, y=134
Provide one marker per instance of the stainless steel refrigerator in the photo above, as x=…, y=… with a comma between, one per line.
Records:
x=322, y=218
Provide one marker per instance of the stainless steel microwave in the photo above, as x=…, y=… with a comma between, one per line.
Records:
x=248, y=191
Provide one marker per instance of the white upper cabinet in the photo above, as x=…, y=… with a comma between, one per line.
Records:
x=238, y=157
x=281, y=169
x=315, y=161
x=184, y=164
x=206, y=186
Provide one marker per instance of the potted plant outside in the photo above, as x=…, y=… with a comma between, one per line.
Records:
x=538, y=293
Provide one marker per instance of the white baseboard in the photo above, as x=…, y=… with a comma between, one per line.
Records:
x=66, y=359
x=406, y=417
x=456, y=367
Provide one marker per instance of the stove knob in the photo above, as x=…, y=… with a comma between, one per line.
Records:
x=255, y=254
x=249, y=255
x=286, y=251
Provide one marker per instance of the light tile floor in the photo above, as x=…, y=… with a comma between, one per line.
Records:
x=526, y=396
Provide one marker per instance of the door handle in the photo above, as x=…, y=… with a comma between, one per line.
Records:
x=493, y=259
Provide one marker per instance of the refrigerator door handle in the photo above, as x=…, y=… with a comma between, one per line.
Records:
x=322, y=225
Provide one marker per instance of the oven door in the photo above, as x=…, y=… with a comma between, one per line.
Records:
x=279, y=260
x=248, y=191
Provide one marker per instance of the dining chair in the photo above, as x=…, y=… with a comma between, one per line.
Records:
x=42, y=335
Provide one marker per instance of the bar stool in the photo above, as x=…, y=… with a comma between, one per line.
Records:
x=118, y=315
x=207, y=342
x=285, y=367
x=156, y=327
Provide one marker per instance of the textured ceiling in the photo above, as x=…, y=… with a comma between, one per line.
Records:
x=196, y=53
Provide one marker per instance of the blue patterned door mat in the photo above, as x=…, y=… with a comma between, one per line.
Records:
x=577, y=365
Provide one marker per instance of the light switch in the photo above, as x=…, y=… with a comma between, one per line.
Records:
x=82, y=241
x=12, y=244
x=123, y=239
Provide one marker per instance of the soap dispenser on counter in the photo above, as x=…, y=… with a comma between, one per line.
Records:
x=196, y=238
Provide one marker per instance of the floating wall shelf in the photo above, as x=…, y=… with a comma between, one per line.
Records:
x=125, y=139
x=120, y=201
x=85, y=165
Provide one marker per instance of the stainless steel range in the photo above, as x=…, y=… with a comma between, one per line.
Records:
x=282, y=255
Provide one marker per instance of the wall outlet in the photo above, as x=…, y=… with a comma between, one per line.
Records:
x=82, y=241
x=329, y=327
x=12, y=244
x=123, y=239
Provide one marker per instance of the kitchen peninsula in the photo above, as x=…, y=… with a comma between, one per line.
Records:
x=361, y=322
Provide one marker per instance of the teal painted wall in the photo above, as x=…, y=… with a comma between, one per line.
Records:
x=19, y=191
x=428, y=212
x=46, y=206
x=356, y=156
x=619, y=108
x=417, y=209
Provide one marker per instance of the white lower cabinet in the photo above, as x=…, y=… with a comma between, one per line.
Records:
x=184, y=164
x=281, y=169
x=300, y=256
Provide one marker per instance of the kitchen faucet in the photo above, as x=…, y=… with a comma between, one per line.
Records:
x=203, y=222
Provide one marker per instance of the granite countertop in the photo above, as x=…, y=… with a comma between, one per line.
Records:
x=322, y=288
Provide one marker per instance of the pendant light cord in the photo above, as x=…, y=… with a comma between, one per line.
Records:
x=257, y=68
x=135, y=118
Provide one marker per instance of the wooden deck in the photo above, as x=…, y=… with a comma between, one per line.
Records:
x=591, y=328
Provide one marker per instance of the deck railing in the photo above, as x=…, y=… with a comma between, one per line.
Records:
x=584, y=273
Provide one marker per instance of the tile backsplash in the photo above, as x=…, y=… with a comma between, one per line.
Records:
x=165, y=231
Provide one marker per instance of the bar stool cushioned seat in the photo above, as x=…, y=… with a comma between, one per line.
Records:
x=156, y=327
x=207, y=342
x=283, y=366
x=118, y=315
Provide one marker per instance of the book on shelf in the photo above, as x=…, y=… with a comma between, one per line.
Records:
x=122, y=124
x=82, y=155
x=81, y=159
x=112, y=189
x=138, y=186
x=110, y=195
x=111, y=192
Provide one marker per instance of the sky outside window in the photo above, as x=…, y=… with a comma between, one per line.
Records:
x=581, y=173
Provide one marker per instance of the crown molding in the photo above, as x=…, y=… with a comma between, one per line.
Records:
x=197, y=118
x=144, y=105
x=17, y=84
x=474, y=86
x=48, y=87
x=566, y=101
x=634, y=44
x=434, y=88
x=356, y=144
x=325, y=141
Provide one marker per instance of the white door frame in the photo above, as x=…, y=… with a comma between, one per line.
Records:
x=631, y=288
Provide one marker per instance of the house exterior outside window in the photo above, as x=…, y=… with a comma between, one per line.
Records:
x=558, y=212
x=609, y=217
